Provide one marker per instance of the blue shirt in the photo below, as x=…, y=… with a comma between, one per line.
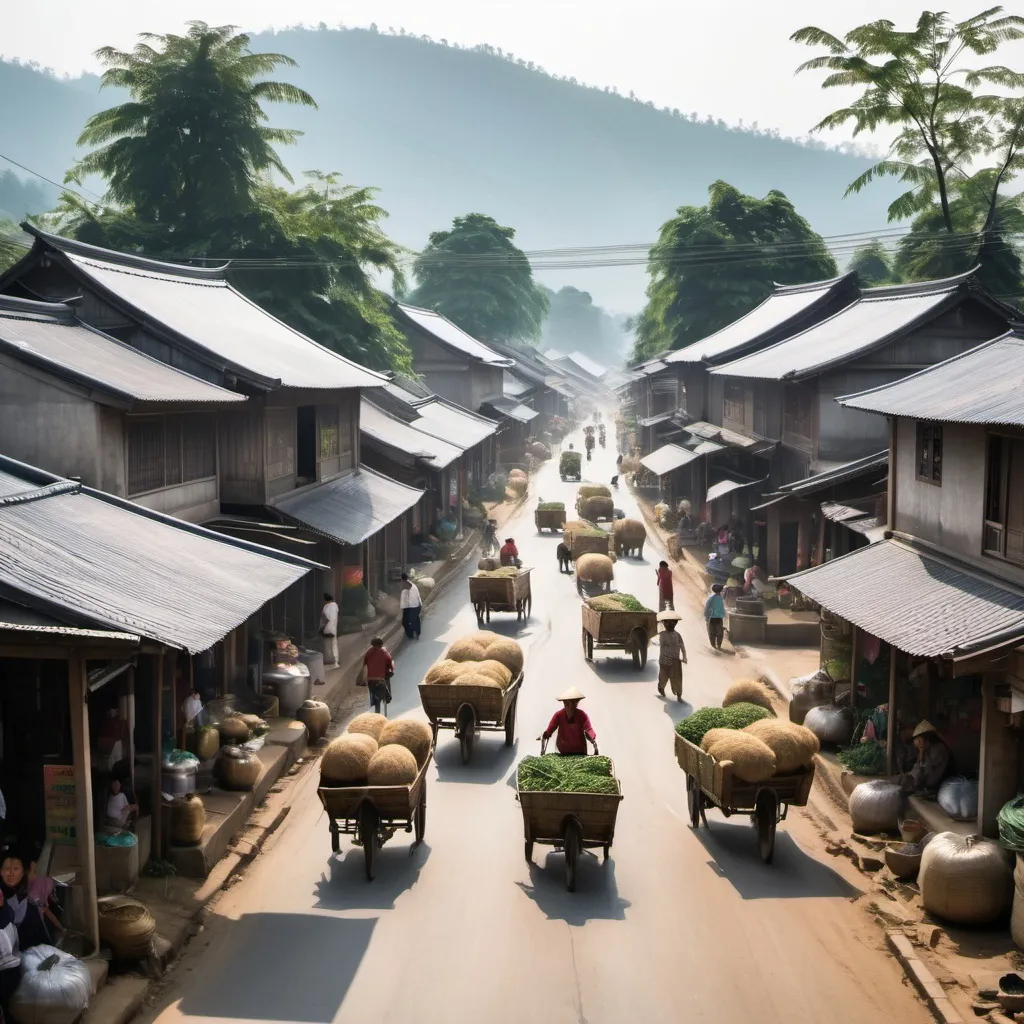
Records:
x=714, y=607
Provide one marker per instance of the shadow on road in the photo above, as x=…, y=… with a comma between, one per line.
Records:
x=791, y=875
x=612, y=668
x=345, y=887
x=676, y=711
x=491, y=758
x=276, y=967
x=596, y=897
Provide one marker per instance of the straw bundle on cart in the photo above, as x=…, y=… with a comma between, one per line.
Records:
x=594, y=568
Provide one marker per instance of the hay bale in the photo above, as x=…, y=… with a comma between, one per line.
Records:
x=465, y=649
x=485, y=637
x=516, y=474
x=631, y=530
x=594, y=568
x=488, y=564
x=442, y=673
x=508, y=653
x=793, y=745
x=392, y=765
x=575, y=525
x=369, y=723
x=476, y=678
x=494, y=669
x=748, y=691
x=417, y=737
x=347, y=759
x=752, y=759
x=597, y=507
x=713, y=734
x=593, y=491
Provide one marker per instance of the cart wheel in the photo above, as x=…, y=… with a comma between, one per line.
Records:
x=572, y=844
x=421, y=815
x=638, y=645
x=368, y=823
x=487, y=606
x=435, y=729
x=510, y=722
x=528, y=850
x=766, y=817
x=693, y=801
x=479, y=609
x=335, y=840
x=607, y=850
x=588, y=645
x=467, y=733
x=529, y=606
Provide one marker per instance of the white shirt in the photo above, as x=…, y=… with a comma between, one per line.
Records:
x=193, y=706
x=410, y=598
x=117, y=803
x=9, y=947
x=3, y=806
x=329, y=619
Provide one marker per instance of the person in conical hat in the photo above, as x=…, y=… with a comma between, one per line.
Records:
x=934, y=760
x=571, y=725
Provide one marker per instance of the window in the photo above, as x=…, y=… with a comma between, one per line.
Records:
x=735, y=401
x=306, y=441
x=1004, y=499
x=797, y=412
x=164, y=451
x=330, y=446
x=929, y=453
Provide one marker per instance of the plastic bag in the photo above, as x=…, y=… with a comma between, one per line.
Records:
x=965, y=879
x=181, y=759
x=54, y=987
x=876, y=806
x=958, y=797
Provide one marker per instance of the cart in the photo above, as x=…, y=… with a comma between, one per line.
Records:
x=570, y=822
x=501, y=594
x=710, y=783
x=629, y=631
x=552, y=519
x=587, y=543
x=372, y=814
x=570, y=464
x=468, y=709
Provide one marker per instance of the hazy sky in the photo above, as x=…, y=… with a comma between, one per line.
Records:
x=733, y=59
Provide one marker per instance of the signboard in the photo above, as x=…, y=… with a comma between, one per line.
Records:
x=59, y=796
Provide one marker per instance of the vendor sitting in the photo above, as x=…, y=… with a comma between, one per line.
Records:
x=572, y=725
x=933, y=763
x=509, y=553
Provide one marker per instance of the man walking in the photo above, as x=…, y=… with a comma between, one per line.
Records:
x=714, y=615
x=329, y=629
x=672, y=656
x=410, y=603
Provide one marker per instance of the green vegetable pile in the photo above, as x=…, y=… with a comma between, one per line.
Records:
x=594, y=531
x=838, y=668
x=505, y=570
x=553, y=773
x=736, y=716
x=617, y=603
x=863, y=758
x=551, y=506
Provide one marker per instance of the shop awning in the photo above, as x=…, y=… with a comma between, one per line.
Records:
x=729, y=438
x=653, y=421
x=512, y=409
x=922, y=604
x=841, y=513
x=667, y=458
x=724, y=487
x=351, y=508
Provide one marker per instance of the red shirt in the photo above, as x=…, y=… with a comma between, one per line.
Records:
x=378, y=662
x=664, y=582
x=508, y=554
x=570, y=739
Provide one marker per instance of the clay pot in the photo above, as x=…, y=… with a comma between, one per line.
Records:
x=188, y=816
x=236, y=768
x=315, y=715
x=204, y=742
x=233, y=729
x=126, y=926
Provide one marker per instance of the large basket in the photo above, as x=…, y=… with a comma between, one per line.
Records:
x=126, y=926
x=616, y=627
x=392, y=802
x=488, y=702
x=549, y=518
x=587, y=544
x=544, y=814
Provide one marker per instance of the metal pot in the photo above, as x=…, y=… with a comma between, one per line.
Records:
x=179, y=779
x=314, y=661
x=291, y=686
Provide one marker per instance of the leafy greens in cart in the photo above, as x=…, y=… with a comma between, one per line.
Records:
x=553, y=773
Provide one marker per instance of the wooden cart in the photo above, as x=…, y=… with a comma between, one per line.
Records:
x=372, y=814
x=711, y=783
x=628, y=631
x=552, y=519
x=571, y=822
x=570, y=464
x=468, y=709
x=587, y=543
x=501, y=594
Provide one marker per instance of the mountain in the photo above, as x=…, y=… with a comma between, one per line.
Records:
x=444, y=131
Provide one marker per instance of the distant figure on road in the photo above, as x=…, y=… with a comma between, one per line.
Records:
x=671, y=657
x=329, y=629
x=410, y=602
x=664, y=578
x=564, y=558
x=380, y=667
x=509, y=554
x=572, y=725
x=714, y=615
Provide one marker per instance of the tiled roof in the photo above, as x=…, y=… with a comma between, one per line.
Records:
x=441, y=328
x=405, y=437
x=452, y=423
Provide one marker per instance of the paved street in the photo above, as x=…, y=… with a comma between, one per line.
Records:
x=676, y=926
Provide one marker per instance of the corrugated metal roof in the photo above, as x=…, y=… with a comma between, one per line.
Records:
x=878, y=316
x=984, y=385
x=512, y=386
x=867, y=466
x=594, y=368
x=48, y=336
x=512, y=409
x=786, y=303
x=401, y=394
x=919, y=603
x=728, y=438
x=201, y=307
x=870, y=526
x=452, y=423
x=652, y=421
x=841, y=513
x=453, y=336
x=667, y=458
x=388, y=430
x=353, y=507
x=724, y=487
x=104, y=561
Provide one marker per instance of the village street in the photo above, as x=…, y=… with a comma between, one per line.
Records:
x=674, y=926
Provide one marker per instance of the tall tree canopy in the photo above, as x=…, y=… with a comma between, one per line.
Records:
x=187, y=160
x=873, y=265
x=714, y=263
x=476, y=276
x=574, y=322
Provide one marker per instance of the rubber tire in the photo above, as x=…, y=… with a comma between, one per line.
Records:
x=528, y=850
x=573, y=844
x=368, y=823
x=766, y=817
x=607, y=850
x=638, y=643
x=420, y=822
x=588, y=646
x=693, y=801
x=467, y=736
x=529, y=606
x=510, y=722
x=335, y=841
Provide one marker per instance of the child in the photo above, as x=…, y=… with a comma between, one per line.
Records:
x=564, y=558
x=380, y=667
x=664, y=578
x=714, y=615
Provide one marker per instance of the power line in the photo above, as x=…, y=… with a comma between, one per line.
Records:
x=50, y=181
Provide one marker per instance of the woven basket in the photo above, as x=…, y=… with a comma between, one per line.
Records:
x=188, y=817
x=904, y=864
x=236, y=769
x=315, y=715
x=126, y=926
x=204, y=742
x=233, y=729
x=965, y=879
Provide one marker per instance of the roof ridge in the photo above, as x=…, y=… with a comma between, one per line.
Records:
x=46, y=491
x=915, y=288
x=810, y=286
x=13, y=305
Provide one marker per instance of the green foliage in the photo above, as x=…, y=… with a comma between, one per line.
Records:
x=863, y=758
x=617, y=603
x=873, y=265
x=20, y=198
x=11, y=247
x=551, y=506
x=735, y=716
x=475, y=276
x=555, y=773
x=712, y=264
x=574, y=322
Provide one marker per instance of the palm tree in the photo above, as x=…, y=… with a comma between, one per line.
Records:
x=191, y=144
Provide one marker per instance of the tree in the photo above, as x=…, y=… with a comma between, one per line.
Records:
x=713, y=264
x=574, y=322
x=873, y=265
x=917, y=82
x=476, y=276
x=12, y=244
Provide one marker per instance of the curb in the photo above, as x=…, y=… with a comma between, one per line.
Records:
x=923, y=979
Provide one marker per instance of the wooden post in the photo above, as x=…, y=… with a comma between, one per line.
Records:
x=129, y=685
x=890, y=737
x=156, y=844
x=78, y=692
x=854, y=638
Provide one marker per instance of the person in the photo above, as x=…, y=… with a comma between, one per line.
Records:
x=714, y=615
x=411, y=604
x=571, y=724
x=329, y=629
x=564, y=558
x=671, y=656
x=380, y=667
x=664, y=577
x=489, y=541
x=119, y=810
x=571, y=446
x=615, y=480
x=933, y=760
x=16, y=886
x=509, y=554
x=10, y=955
x=618, y=461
